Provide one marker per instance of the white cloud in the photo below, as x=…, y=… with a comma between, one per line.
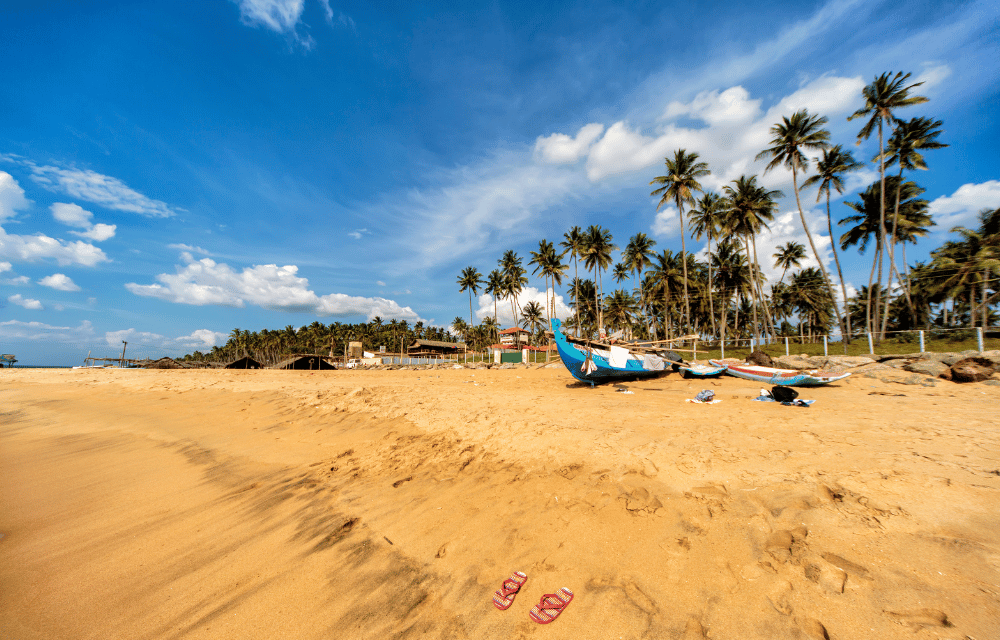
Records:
x=961, y=207
x=281, y=16
x=380, y=283
x=932, y=75
x=205, y=281
x=40, y=246
x=71, y=214
x=190, y=249
x=99, y=189
x=357, y=233
x=560, y=148
x=503, y=306
x=98, y=233
x=667, y=223
x=5, y=266
x=115, y=338
x=74, y=215
x=11, y=196
x=203, y=339
x=27, y=303
x=19, y=281
x=41, y=331
x=59, y=281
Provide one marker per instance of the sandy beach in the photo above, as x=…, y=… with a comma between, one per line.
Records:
x=392, y=504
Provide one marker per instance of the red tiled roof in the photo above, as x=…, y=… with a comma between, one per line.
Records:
x=513, y=330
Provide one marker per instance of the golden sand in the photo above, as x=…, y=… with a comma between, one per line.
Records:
x=391, y=504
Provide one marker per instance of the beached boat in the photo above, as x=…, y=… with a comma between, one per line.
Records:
x=600, y=363
x=781, y=377
x=702, y=370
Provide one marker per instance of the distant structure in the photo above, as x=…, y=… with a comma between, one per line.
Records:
x=7, y=360
x=514, y=336
x=244, y=363
x=355, y=349
x=165, y=363
x=304, y=362
x=433, y=348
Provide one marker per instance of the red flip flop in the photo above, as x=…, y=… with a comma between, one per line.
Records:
x=504, y=596
x=550, y=606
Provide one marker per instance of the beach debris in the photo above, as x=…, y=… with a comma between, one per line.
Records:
x=623, y=390
x=706, y=396
x=504, y=596
x=550, y=606
x=780, y=392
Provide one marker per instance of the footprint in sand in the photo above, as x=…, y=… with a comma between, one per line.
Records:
x=812, y=628
x=918, y=618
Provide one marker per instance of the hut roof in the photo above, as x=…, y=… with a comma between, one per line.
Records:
x=514, y=330
x=166, y=363
x=437, y=343
x=244, y=363
x=302, y=362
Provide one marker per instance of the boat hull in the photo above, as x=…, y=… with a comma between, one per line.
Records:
x=601, y=371
x=780, y=377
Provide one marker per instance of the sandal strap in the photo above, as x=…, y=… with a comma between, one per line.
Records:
x=509, y=587
x=547, y=598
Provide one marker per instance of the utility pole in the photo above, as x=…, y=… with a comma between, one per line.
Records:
x=124, y=345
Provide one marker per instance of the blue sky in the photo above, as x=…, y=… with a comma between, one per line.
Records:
x=170, y=171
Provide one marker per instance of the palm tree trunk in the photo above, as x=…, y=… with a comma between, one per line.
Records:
x=868, y=305
x=983, y=303
x=711, y=306
x=768, y=320
x=576, y=293
x=684, y=266
x=822, y=267
x=753, y=288
x=846, y=324
x=881, y=225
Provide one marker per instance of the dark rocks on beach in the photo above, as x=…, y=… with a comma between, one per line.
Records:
x=760, y=359
x=931, y=368
x=974, y=369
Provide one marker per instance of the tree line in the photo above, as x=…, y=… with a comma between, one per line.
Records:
x=269, y=346
x=724, y=296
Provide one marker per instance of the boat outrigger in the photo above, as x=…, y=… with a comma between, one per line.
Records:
x=781, y=377
x=598, y=362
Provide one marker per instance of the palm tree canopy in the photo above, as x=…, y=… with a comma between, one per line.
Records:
x=789, y=255
x=681, y=180
x=638, y=252
x=885, y=93
x=908, y=139
x=914, y=220
x=706, y=217
x=790, y=136
x=749, y=206
x=830, y=167
x=470, y=279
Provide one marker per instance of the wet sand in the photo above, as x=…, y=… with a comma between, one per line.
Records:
x=391, y=504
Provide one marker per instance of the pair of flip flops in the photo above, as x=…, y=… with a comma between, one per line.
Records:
x=547, y=609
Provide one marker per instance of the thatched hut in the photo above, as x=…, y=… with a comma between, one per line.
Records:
x=304, y=362
x=244, y=363
x=165, y=363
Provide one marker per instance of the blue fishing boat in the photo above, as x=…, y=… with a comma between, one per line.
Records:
x=600, y=363
x=702, y=370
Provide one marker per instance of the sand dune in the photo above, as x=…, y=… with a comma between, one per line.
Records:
x=391, y=504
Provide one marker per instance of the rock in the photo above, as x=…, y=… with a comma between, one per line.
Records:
x=931, y=368
x=871, y=368
x=896, y=363
x=506, y=365
x=760, y=359
x=992, y=383
x=792, y=362
x=970, y=370
x=848, y=361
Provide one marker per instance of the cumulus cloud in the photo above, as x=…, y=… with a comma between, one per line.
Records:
x=60, y=282
x=27, y=303
x=667, y=223
x=730, y=129
x=5, y=266
x=115, y=338
x=74, y=215
x=11, y=196
x=560, y=148
x=18, y=281
x=90, y=186
x=204, y=282
x=38, y=331
x=961, y=207
x=203, y=339
x=503, y=306
x=40, y=247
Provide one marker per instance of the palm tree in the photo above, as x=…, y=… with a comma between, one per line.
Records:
x=732, y=274
x=470, y=281
x=495, y=288
x=514, y=279
x=597, y=256
x=904, y=146
x=913, y=222
x=884, y=94
x=621, y=309
x=968, y=263
x=531, y=316
x=789, y=138
x=668, y=273
x=788, y=255
x=679, y=185
x=830, y=168
x=706, y=219
x=749, y=208
x=460, y=327
x=573, y=243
